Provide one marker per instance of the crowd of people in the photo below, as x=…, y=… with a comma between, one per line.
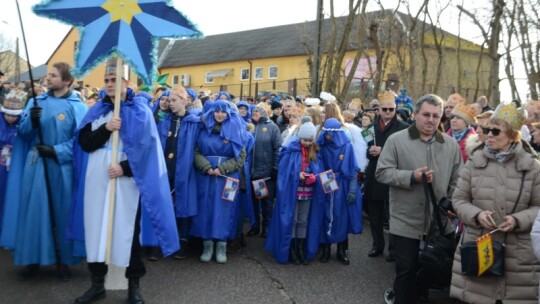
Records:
x=189, y=169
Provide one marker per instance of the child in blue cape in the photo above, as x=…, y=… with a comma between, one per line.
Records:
x=294, y=220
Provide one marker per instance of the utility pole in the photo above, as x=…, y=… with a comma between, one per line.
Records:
x=17, y=63
x=317, y=56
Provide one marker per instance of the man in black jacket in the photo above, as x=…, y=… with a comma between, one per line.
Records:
x=375, y=193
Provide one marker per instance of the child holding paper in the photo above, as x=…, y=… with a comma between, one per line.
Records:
x=297, y=182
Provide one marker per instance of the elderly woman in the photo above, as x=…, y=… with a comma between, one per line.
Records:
x=501, y=181
x=220, y=153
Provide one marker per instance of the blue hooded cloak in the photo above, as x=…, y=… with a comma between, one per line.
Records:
x=279, y=235
x=8, y=132
x=145, y=156
x=340, y=218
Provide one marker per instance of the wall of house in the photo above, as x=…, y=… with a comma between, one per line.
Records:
x=66, y=53
x=287, y=68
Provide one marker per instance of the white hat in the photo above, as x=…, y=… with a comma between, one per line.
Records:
x=307, y=131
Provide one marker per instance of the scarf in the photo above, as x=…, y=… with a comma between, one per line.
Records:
x=502, y=157
x=458, y=135
x=162, y=115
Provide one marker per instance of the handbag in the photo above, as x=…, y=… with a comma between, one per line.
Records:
x=437, y=255
x=469, y=251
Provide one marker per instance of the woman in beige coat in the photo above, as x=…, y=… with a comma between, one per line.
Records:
x=489, y=185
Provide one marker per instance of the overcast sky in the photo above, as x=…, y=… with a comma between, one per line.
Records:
x=211, y=16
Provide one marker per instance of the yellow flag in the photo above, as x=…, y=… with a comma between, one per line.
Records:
x=485, y=253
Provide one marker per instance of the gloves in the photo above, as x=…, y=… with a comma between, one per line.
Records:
x=273, y=174
x=351, y=198
x=46, y=151
x=35, y=115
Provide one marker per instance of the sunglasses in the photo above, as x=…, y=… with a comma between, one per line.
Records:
x=493, y=131
x=387, y=109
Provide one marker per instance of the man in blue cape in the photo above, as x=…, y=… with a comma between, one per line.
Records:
x=45, y=135
x=141, y=182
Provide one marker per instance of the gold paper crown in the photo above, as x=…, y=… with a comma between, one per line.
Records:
x=514, y=115
x=296, y=111
x=455, y=98
x=387, y=96
x=180, y=91
x=15, y=99
x=466, y=112
x=357, y=103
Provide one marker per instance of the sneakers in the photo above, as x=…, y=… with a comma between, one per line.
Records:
x=389, y=296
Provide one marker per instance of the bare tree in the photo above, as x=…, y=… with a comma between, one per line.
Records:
x=438, y=39
x=491, y=39
x=510, y=26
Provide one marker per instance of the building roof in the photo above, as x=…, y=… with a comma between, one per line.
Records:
x=271, y=42
x=37, y=73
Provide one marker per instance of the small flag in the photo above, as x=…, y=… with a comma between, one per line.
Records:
x=485, y=253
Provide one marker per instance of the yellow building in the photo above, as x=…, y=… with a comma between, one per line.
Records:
x=256, y=62
x=65, y=52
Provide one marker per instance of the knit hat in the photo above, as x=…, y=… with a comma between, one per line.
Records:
x=275, y=105
x=307, y=131
x=14, y=102
x=465, y=112
x=305, y=119
x=513, y=113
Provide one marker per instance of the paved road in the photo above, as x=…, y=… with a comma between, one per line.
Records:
x=250, y=276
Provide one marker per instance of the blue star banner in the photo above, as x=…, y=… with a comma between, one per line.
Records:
x=129, y=28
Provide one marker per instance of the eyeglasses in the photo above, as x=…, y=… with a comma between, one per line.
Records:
x=428, y=116
x=387, y=109
x=493, y=131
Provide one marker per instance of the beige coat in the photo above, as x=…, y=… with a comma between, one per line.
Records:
x=486, y=184
x=404, y=152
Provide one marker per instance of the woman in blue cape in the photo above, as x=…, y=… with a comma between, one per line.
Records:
x=343, y=207
x=298, y=210
x=220, y=154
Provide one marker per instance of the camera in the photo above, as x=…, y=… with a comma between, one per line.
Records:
x=445, y=204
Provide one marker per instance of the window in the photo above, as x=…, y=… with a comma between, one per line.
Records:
x=244, y=74
x=208, y=78
x=258, y=73
x=175, y=80
x=272, y=72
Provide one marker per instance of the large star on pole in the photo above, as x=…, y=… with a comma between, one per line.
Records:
x=130, y=28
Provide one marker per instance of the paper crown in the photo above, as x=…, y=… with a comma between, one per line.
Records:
x=110, y=68
x=356, y=103
x=512, y=113
x=387, y=96
x=455, y=98
x=179, y=91
x=14, y=102
x=296, y=111
x=465, y=112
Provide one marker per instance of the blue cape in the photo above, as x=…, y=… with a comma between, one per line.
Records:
x=281, y=225
x=145, y=156
x=185, y=183
x=8, y=134
x=340, y=218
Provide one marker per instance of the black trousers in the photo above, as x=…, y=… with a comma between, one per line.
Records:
x=406, y=255
x=136, y=268
x=376, y=223
x=264, y=205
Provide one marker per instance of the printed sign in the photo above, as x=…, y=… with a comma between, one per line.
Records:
x=259, y=188
x=328, y=181
x=230, y=189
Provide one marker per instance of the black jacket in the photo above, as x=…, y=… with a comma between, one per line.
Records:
x=373, y=189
